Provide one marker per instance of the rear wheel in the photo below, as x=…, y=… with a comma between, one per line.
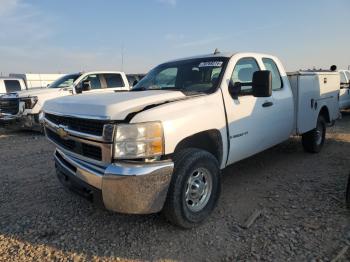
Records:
x=313, y=140
x=194, y=189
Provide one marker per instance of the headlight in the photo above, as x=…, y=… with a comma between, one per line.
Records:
x=138, y=140
x=29, y=102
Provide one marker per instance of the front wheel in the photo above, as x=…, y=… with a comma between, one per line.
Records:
x=194, y=189
x=313, y=140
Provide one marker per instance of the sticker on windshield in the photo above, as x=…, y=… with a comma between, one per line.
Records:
x=211, y=64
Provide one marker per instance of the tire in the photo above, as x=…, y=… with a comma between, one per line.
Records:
x=313, y=140
x=185, y=207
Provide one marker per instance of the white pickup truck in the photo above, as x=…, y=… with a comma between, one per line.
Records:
x=22, y=109
x=11, y=84
x=162, y=145
x=344, y=96
x=37, y=80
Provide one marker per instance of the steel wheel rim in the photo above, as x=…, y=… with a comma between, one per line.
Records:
x=319, y=133
x=198, y=189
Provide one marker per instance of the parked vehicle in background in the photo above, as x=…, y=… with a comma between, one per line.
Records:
x=37, y=80
x=22, y=109
x=11, y=84
x=134, y=78
x=344, y=95
x=162, y=145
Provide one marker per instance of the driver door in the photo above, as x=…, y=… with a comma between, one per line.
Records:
x=249, y=118
x=95, y=83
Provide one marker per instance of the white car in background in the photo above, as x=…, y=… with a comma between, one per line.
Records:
x=22, y=109
x=11, y=84
x=344, y=95
x=37, y=80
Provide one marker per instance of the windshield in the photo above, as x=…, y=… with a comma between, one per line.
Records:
x=193, y=75
x=64, y=81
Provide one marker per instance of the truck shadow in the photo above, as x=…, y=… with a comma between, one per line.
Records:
x=37, y=211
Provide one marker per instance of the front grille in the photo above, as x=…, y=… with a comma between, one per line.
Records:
x=88, y=126
x=80, y=148
x=9, y=106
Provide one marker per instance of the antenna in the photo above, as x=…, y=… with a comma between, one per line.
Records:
x=216, y=51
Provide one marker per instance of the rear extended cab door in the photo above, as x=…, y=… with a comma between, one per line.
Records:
x=115, y=82
x=255, y=124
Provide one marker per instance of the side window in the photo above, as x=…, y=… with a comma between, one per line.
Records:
x=348, y=75
x=113, y=80
x=342, y=78
x=166, y=78
x=243, y=73
x=131, y=80
x=94, y=81
x=12, y=85
x=276, y=77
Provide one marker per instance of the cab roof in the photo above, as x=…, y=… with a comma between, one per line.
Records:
x=221, y=54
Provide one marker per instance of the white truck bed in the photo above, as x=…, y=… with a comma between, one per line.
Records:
x=312, y=90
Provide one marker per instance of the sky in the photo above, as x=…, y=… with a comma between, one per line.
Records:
x=80, y=35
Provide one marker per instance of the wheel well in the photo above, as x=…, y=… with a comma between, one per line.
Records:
x=325, y=113
x=209, y=140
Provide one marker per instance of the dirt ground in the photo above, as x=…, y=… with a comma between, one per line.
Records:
x=300, y=195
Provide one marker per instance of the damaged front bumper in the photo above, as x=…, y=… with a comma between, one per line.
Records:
x=126, y=187
x=20, y=121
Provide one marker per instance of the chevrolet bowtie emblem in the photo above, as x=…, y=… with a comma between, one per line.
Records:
x=62, y=132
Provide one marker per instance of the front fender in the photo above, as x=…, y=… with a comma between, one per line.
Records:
x=182, y=119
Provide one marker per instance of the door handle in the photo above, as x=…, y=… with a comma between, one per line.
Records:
x=267, y=104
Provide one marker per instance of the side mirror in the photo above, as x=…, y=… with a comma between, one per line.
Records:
x=234, y=89
x=78, y=88
x=262, y=83
x=86, y=85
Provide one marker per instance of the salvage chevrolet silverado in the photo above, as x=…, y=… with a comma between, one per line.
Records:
x=162, y=145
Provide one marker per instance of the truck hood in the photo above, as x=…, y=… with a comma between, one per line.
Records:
x=34, y=92
x=113, y=106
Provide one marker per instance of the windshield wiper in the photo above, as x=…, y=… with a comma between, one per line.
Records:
x=143, y=88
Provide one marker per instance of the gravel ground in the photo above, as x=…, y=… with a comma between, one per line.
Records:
x=300, y=197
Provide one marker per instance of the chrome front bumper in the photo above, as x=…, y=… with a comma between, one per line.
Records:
x=126, y=187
